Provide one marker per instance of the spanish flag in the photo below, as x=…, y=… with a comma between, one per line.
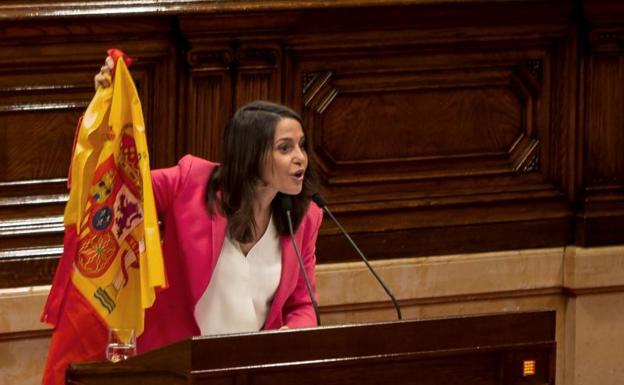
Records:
x=112, y=260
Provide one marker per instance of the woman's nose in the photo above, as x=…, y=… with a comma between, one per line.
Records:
x=300, y=155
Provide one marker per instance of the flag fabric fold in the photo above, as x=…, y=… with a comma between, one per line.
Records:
x=112, y=260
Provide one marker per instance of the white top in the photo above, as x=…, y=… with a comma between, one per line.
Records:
x=240, y=292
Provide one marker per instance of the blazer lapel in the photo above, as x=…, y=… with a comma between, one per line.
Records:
x=219, y=226
x=288, y=281
x=202, y=269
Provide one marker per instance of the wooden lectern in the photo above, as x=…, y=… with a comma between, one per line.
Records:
x=508, y=348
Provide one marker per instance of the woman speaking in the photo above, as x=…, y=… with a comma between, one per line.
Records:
x=229, y=259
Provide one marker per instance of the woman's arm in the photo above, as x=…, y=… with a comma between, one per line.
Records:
x=165, y=182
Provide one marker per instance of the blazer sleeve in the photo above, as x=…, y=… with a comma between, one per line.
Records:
x=167, y=182
x=298, y=309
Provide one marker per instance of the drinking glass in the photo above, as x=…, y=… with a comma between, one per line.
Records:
x=121, y=344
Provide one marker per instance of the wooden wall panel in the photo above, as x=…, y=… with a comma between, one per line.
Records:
x=46, y=81
x=428, y=148
x=38, y=143
x=155, y=76
x=207, y=111
x=601, y=164
x=395, y=119
x=208, y=100
x=605, y=119
x=258, y=74
x=439, y=127
x=37, y=112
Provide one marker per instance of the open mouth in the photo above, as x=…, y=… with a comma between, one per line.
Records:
x=299, y=174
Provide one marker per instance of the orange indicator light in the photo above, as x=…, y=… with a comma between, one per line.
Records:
x=528, y=368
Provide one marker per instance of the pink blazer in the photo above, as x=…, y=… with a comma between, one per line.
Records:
x=192, y=242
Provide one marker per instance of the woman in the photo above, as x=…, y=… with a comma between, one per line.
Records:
x=229, y=259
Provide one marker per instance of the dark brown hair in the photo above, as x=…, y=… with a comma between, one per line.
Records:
x=247, y=140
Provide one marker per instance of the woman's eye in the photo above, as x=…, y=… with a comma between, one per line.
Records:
x=283, y=148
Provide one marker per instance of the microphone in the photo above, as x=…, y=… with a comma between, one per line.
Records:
x=320, y=202
x=286, y=203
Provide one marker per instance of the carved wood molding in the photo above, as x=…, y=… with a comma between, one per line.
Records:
x=308, y=78
x=26, y=335
x=323, y=89
x=26, y=10
x=532, y=163
x=607, y=41
x=535, y=68
x=225, y=74
x=258, y=56
x=31, y=230
x=210, y=60
x=205, y=57
x=440, y=126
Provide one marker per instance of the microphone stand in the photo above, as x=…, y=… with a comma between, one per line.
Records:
x=323, y=205
x=287, y=206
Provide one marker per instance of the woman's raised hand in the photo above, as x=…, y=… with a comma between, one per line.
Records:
x=103, y=79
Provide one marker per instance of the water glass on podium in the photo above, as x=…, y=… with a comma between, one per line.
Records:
x=121, y=344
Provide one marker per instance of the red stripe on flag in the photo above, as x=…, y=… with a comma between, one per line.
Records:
x=80, y=335
x=62, y=277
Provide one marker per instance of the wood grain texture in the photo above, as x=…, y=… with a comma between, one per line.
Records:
x=438, y=126
x=38, y=144
x=601, y=208
x=486, y=349
x=46, y=81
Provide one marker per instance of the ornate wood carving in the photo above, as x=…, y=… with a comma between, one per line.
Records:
x=221, y=80
x=210, y=60
x=607, y=41
x=441, y=129
x=535, y=68
x=532, y=163
x=438, y=127
x=308, y=79
x=466, y=120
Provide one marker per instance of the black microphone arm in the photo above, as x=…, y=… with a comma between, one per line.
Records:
x=320, y=202
x=287, y=206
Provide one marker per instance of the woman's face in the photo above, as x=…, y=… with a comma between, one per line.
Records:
x=284, y=168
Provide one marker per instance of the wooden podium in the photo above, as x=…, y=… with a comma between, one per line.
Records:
x=508, y=348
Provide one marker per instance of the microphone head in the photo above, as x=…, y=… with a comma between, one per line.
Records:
x=286, y=202
x=318, y=199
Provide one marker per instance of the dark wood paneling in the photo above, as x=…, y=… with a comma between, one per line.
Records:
x=486, y=349
x=46, y=81
x=601, y=164
x=438, y=126
x=473, y=370
x=207, y=103
x=258, y=74
x=468, y=121
x=605, y=119
x=38, y=143
x=434, y=143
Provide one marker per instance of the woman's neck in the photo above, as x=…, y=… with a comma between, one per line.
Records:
x=262, y=204
x=262, y=216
